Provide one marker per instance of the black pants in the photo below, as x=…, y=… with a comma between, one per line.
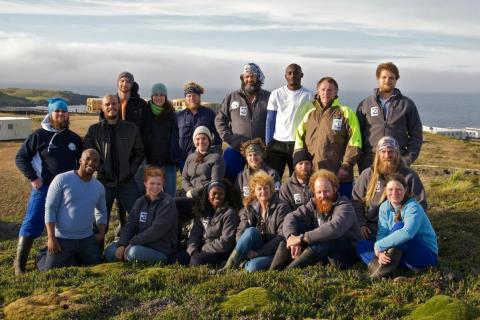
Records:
x=201, y=258
x=280, y=154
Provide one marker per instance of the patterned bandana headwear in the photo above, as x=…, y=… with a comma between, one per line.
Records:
x=55, y=104
x=255, y=69
x=387, y=142
x=254, y=148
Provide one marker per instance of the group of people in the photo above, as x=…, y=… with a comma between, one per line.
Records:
x=234, y=210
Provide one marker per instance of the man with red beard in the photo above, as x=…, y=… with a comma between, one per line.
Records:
x=325, y=228
x=367, y=194
x=295, y=191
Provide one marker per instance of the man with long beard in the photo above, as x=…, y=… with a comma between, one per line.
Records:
x=47, y=152
x=295, y=191
x=324, y=229
x=242, y=117
x=367, y=194
x=389, y=113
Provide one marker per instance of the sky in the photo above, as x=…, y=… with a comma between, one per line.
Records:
x=82, y=45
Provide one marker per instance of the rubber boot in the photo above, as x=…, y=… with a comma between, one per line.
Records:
x=308, y=257
x=233, y=261
x=23, y=249
x=281, y=257
x=378, y=270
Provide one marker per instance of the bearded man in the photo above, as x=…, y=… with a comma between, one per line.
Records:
x=367, y=194
x=324, y=229
x=47, y=152
x=242, y=117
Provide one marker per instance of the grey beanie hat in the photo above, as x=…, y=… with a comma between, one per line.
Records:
x=126, y=74
x=159, y=88
x=202, y=130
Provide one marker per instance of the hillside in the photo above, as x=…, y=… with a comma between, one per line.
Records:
x=142, y=291
x=15, y=97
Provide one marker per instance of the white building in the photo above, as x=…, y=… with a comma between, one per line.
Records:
x=449, y=132
x=13, y=128
x=472, y=133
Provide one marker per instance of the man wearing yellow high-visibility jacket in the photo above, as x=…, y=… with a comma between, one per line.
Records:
x=331, y=133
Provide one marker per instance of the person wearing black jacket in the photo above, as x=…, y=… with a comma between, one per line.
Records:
x=160, y=136
x=50, y=150
x=121, y=151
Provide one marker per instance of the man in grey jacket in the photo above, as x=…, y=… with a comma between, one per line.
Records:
x=242, y=117
x=295, y=191
x=389, y=113
x=367, y=194
x=325, y=228
x=121, y=152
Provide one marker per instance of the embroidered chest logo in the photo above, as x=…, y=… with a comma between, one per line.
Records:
x=337, y=124
x=297, y=197
x=374, y=111
x=72, y=146
x=246, y=191
x=277, y=186
x=378, y=188
x=243, y=111
x=143, y=216
x=234, y=105
x=205, y=223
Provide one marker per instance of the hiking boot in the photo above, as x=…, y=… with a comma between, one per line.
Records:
x=23, y=249
x=233, y=261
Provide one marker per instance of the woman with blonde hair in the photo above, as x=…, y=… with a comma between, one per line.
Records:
x=261, y=222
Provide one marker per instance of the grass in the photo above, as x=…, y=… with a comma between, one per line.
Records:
x=145, y=291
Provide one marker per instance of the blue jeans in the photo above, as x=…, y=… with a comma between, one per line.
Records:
x=170, y=186
x=346, y=189
x=416, y=253
x=126, y=194
x=234, y=163
x=136, y=253
x=34, y=219
x=338, y=252
x=86, y=251
x=251, y=239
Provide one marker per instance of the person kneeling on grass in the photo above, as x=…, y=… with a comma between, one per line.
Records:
x=213, y=234
x=324, y=229
x=260, y=229
x=405, y=235
x=150, y=233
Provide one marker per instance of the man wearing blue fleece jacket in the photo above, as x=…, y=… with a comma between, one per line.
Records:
x=48, y=151
x=75, y=200
x=283, y=106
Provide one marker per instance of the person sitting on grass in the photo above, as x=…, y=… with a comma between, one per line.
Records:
x=213, y=234
x=150, y=233
x=260, y=229
x=405, y=235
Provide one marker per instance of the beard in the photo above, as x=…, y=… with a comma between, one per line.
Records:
x=250, y=89
x=388, y=167
x=60, y=124
x=324, y=206
x=303, y=175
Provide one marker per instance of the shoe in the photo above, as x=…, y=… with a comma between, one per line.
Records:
x=308, y=257
x=378, y=270
x=23, y=249
x=281, y=257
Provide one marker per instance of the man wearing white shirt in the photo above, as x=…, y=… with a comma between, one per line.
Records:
x=283, y=105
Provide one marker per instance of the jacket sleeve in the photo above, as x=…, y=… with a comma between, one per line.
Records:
x=131, y=227
x=218, y=169
x=244, y=223
x=358, y=196
x=415, y=132
x=222, y=122
x=269, y=248
x=270, y=125
x=290, y=225
x=284, y=195
x=300, y=133
x=195, y=239
x=342, y=219
x=137, y=155
x=186, y=184
x=160, y=225
x=354, y=146
x=89, y=140
x=24, y=157
x=175, y=152
x=362, y=121
x=227, y=240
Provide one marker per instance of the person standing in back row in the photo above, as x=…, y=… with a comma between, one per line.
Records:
x=242, y=117
x=283, y=105
x=389, y=113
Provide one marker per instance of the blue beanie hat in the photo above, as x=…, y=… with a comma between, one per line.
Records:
x=159, y=88
x=55, y=104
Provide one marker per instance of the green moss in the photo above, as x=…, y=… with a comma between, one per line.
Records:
x=445, y=308
x=249, y=301
x=105, y=268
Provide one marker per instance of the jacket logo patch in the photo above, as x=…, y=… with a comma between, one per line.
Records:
x=378, y=187
x=205, y=223
x=297, y=197
x=246, y=191
x=143, y=216
x=374, y=111
x=234, y=105
x=337, y=124
x=243, y=111
x=72, y=146
x=277, y=186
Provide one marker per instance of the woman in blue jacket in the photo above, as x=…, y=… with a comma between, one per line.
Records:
x=405, y=235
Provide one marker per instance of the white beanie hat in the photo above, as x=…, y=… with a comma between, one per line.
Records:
x=202, y=130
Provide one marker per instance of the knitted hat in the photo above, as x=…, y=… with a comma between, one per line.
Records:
x=126, y=74
x=192, y=87
x=386, y=142
x=55, y=104
x=202, y=130
x=301, y=155
x=159, y=88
